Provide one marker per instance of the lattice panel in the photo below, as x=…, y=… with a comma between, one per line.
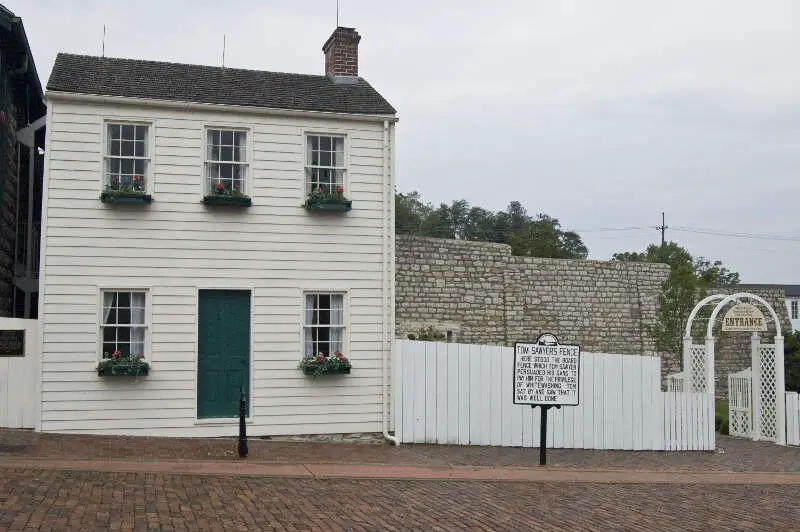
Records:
x=740, y=423
x=698, y=371
x=769, y=393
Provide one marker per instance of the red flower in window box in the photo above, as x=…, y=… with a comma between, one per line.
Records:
x=322, y=365
x=121, y=365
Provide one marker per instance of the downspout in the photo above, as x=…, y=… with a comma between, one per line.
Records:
x=388, y=284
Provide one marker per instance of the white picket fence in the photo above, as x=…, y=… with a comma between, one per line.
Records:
x=463, y=394
x=19, y=378
x=792, y=418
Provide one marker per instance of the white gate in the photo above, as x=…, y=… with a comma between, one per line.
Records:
x=19, y=374
x=740, y=403
x=675, y=382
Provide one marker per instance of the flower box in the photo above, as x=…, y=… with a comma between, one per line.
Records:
x=125, y=198
x=117, y=365
x=327, y=204
x=325, y=365
x=123, y=370
x=224, y=199
x=310, y=370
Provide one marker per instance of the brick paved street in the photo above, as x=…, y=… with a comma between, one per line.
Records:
x=57, y=482
x=63, y=500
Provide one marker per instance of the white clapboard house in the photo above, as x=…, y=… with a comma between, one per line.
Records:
x=209, y=231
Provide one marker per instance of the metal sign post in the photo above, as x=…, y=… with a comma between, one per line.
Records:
x=547, y=375
x=543, y=432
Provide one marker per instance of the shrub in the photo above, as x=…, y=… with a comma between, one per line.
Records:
x=427, y=334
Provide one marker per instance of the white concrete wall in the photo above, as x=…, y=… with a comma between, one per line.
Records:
x=177, y=245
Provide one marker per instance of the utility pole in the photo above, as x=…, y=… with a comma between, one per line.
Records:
x=662, y=228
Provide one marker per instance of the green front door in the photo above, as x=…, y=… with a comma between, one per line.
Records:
x=223, y=352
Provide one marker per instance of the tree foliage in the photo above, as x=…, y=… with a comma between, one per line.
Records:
x=532, y=236
x=791, y=353
x=689, y=281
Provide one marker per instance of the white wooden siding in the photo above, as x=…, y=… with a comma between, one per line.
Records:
x=176, y=245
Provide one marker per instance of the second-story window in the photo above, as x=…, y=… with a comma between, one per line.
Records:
x=325, y=165
x=126, y=157
x=226, y=162
x=794, y=309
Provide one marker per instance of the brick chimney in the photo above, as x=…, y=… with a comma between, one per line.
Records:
x=341, y=52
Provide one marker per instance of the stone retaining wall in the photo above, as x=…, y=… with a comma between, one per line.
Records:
x=480, y=293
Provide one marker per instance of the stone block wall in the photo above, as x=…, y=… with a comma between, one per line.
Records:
x=604, y=306
x=452, y=286
x=482, y=294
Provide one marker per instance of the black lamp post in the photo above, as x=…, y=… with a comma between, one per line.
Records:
x=242, y=428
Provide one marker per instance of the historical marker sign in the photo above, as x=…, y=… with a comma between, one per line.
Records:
x=744, y=317
x=546, y=372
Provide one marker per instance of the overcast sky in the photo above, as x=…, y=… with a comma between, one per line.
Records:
x=602, y=114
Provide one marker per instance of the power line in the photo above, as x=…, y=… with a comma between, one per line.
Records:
x=729, y=234
x=602, y=229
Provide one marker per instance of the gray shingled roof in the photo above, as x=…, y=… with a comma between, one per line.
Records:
x=791, y=290
x=134, y=78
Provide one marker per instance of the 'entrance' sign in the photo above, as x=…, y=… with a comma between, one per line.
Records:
x=744, y=317
x=546, y=373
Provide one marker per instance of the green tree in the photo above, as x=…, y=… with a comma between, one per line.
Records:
x=410, y=212
x=541, y=236
x=479, y=225
x=791, y=354
x=689, y=281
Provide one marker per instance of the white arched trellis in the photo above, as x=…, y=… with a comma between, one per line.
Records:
x=768, y=380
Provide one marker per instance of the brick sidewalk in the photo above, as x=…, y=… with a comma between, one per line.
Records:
x=739, y=455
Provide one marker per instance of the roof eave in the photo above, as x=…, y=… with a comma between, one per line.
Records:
x=56, y=95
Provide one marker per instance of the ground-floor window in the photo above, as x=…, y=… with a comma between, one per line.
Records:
x=323, y=324
x=124, y=323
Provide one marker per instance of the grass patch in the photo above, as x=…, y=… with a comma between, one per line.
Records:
x=721, y=416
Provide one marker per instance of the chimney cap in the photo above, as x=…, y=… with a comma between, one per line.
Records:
x=341, y=32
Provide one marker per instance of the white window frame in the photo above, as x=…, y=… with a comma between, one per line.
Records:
x=343, y=167
x=101, y=318
x=148, y=157
x=793, y=304
x=247, y=164
x=343, y=342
